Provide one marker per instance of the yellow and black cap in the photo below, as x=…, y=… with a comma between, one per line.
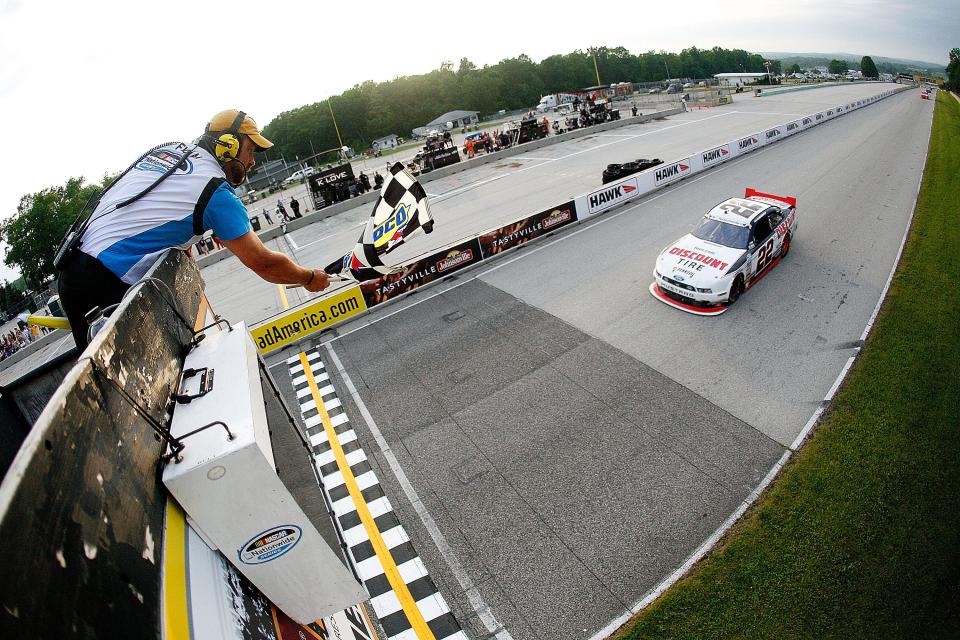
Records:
x=226, y=121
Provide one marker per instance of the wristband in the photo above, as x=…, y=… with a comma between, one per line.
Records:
x=313, y=274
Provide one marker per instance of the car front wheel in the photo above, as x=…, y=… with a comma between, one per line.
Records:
x=735, y=290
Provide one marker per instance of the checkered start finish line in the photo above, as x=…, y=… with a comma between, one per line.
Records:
x=402, y=594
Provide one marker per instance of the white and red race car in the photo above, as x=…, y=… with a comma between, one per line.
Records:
x=732, y=247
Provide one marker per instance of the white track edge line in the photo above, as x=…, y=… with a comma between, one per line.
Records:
x=704, y=548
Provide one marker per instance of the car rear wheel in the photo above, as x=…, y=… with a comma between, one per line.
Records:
x=735, y=290
x=785, y=247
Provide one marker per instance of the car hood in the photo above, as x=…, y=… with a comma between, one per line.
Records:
x=692, y=260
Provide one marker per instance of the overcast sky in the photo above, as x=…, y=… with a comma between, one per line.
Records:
x=85, y=87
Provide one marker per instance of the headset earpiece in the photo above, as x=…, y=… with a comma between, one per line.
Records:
x=227, y=147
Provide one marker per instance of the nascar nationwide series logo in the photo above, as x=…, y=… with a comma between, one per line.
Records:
x=772, y=133
x=455, y=259
x=746, y=143
x=714, y=155
x=609, y=197
x=670, y=172
x=270, y=545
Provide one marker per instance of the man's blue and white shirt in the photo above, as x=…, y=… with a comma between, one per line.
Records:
x=129, y=241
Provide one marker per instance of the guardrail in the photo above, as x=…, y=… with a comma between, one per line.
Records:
x=778, y=89
x=324, y=312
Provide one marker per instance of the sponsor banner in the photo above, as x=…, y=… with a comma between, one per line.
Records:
x=808, y=121
x=350, y=624
x=715, y=156
x=442, y=157
x=340, y=173
x=792, y=128
x=667, y=173
x=819, y=117
x=420, y=272
x=610, y=196
x=772, y=135
x=522, y=231
x=751, y=142
x=305, y=320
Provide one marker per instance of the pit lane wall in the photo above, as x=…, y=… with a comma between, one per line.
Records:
x=329, y=310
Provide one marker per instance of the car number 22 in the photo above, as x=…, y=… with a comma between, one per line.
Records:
x=764, y=255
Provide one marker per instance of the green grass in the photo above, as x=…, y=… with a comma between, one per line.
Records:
x=859, y=537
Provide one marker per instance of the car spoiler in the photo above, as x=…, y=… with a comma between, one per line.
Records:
x=753, y=192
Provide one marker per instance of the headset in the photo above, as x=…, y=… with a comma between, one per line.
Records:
x=226, y=148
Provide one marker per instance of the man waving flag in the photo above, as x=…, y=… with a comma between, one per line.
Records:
x=400, y=210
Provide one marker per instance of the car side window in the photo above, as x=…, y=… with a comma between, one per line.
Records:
x=776, y=217
x=761, y=229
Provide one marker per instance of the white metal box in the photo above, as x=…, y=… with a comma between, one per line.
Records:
x=231, y=491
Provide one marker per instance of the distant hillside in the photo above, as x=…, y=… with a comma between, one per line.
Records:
x=807, y=60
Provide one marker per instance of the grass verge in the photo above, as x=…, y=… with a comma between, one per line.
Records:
x=859, y=537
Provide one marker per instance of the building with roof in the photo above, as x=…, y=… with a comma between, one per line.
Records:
x=386, y=142
x=457, y=119
x=737, y=79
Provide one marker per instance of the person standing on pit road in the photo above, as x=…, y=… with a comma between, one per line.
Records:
x=295, y=207
x=141, y=215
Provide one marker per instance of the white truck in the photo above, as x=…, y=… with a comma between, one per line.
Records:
x=554, y=100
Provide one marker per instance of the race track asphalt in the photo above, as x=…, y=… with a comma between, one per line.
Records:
x=574, y=439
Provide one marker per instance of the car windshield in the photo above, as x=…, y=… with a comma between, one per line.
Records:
x=728, y=235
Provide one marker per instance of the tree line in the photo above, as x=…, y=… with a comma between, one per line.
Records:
x=373, y=110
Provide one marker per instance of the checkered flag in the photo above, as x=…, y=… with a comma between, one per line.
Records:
x=401, y=209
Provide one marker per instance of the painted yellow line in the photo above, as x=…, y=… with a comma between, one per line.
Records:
x=175, y=623
x=399, y=587
x=283, y=297
x=51, y=322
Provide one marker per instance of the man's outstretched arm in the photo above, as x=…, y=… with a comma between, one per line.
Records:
x=274, y=266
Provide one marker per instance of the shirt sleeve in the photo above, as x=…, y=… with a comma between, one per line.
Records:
x=225, y=214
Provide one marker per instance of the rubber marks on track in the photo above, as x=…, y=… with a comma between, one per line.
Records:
x=402, y=559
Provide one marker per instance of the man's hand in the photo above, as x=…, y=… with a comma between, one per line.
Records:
x=320, y=281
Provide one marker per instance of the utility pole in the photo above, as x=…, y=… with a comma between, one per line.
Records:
x=335, y=127
x=595, y=68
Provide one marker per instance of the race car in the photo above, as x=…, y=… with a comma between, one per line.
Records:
x=734, y=245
